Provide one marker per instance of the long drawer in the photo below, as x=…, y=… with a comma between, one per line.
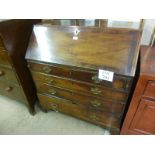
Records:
x=10, y=90
x=119, y=82
x=7, y=74
x=80, y=87
x=62, y=105
x=92, y=102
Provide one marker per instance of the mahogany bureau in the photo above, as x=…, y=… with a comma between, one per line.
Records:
x=15, y=78
x=65, y=60
x=140, y=118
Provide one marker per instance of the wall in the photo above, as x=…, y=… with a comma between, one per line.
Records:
x=148, y=30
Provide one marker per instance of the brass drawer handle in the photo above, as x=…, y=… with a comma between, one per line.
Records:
x=93, y=117
x=1, y=73
x=95, y=79
x=51, y=91
x=55, y=107
x=49, y=81
x=70, y=102
x=47, y=69
x=95, y=91
x=127, y=86
x=8, y=89
x=95, y=103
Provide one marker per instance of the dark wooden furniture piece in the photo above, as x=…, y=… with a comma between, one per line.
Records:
x=140, y=118
x=65, y=71
x=15, y=78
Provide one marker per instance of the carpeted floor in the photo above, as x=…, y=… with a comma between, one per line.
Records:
x=16, y=120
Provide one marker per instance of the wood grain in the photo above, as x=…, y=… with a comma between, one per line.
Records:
x=119, y=82
x=94, y=48
x=77, y=86
x=64, y=63
x=61, y=105
x=84, y=99
x=140, y=118
x=14, y=38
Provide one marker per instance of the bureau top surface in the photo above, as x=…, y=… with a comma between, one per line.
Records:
x=91, y=48
x=148, y=60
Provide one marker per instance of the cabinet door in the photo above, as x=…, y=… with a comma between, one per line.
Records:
x=144, y=120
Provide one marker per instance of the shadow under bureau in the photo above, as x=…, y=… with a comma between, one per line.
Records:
x=15, y=79
x=65, y=61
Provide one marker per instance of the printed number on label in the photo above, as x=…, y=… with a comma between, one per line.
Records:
x=105, y=75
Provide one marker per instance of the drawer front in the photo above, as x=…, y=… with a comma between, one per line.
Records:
x=10, y=90
x=144, y=118
x=80, y=87
x=92, y=102
x=7, y=74
x=61, y=105
x=4, y=59
x=92, y=77
x=150, y=90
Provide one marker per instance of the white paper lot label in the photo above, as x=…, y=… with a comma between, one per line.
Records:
x=106, y=75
